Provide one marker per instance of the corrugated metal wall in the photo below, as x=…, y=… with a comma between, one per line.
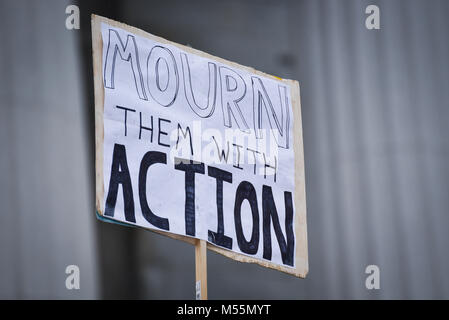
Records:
x=375, y=111
x=46, y=221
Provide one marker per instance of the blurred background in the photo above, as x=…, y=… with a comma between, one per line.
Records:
x=375, y=108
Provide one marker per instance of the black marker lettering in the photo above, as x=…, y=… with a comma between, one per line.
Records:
x=146, y=128
x=126, y=116
x=150, y=158
x=190, y=169
x=270, y=213
x=120, y=175
x=127, y=52
x=160, y=132
x=246, y=191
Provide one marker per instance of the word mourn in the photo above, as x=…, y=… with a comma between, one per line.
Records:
x=198, y=147
x=162, y=83
x=218, y=150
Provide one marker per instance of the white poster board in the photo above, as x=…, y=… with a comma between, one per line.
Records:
x=197, y=147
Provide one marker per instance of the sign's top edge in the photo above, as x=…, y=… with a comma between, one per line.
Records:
x=144, y=33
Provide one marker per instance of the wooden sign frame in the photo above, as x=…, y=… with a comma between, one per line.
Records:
x=301, y=254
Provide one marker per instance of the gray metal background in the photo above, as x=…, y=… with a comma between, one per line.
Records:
x=375, y=110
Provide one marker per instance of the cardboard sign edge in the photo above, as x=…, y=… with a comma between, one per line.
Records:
x=301, y=263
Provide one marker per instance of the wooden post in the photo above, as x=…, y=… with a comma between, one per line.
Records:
x=201, y=269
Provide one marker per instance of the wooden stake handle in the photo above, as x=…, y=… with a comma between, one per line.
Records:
x=201, y=269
